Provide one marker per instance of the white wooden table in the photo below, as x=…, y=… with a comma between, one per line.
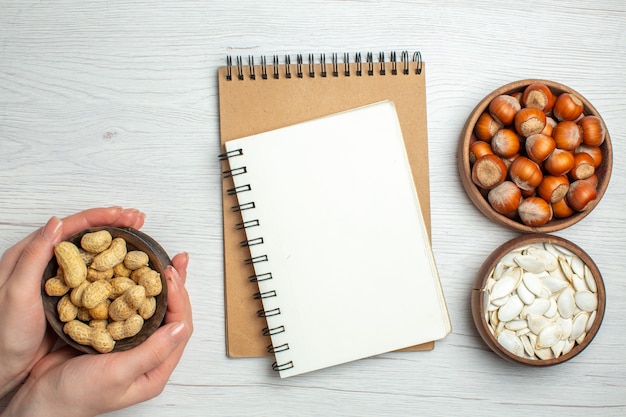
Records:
x=115, y=102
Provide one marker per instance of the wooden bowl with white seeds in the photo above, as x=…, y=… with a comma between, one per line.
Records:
x=538, y=300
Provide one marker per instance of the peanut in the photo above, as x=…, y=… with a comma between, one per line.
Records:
x=120, y=270
x=95, y=337
x=148, y=308
x=55, y=287
x=100, y=323
x=96, y=293
x=95, y=275
x=112, y=256
x=139, y=272
x=120, y=285
x=151, y=281
x=83, y=314
x=74, y=269
x=67, y=311
x=101, y=311
x=125, y=305
x=87, y=257
x=96, y=242
x=136, y=259
x=127, y=328
x=77, y=294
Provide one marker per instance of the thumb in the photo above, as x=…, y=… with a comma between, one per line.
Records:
x=36, y=255
x=155, y=351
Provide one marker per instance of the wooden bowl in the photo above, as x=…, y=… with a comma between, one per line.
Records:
x=484, y=288
x=135, y=240
x=478, y=196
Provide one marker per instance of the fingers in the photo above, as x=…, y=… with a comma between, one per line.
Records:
x=180, y=262
x=34, y=257
x=158, y=355
x=52, y=360
x=178, y=304
x=112, y=216
x=161, y=351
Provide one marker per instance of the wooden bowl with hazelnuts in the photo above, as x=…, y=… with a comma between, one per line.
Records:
x=535, y=156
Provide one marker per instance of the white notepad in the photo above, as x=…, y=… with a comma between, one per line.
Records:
x=337, y=239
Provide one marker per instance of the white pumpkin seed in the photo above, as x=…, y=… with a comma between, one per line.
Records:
x=592, y=318
x=566, y=304
x=499, y=302
x=564, y=251
x=579, y=283
x=590, y=281
x=566, y=324
x=503, y=287
x=537, y=322
x=552, y=310
x=579, y=325
x=510, y=342
x=511, y=309
x=499, y=328
x=549, y=260
x=544, y=354
x=569, y=345
x=533, y=283
x=524, y=294
x=528, y=347
x=566, y=268
x=549, y=335
x=557, y=348
x=516, y=325
x=497, y=271
x=550, y=248
x=586, y=301
x=578, y=266
x=531, y=263
x=492, y=307
x=538, y=307
x=554, y=285
x=494, y=318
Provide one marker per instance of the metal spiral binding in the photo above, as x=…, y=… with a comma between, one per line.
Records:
x=282, y=367
x=274, y=330
x=263, y=295
x=268, y=313
x=247, y=224
x=398, y=67
x=279, y=348
x=238, y=189
x=260, y=277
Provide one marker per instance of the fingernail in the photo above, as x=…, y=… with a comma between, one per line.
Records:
x=176, y=330
x=173, y=276
x=52, y=228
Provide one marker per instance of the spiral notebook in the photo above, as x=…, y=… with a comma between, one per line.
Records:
x=337, y=239
x=261, y=95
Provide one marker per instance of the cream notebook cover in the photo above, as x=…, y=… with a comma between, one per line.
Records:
x=337, y=239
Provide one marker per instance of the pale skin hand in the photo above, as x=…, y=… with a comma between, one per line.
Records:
x=59, y=382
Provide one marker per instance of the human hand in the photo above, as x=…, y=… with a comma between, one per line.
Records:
x=23, y=326
x=67, y=384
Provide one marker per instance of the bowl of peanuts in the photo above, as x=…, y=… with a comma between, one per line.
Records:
x=104, y=290
x=535, y=156
x=538, y=300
